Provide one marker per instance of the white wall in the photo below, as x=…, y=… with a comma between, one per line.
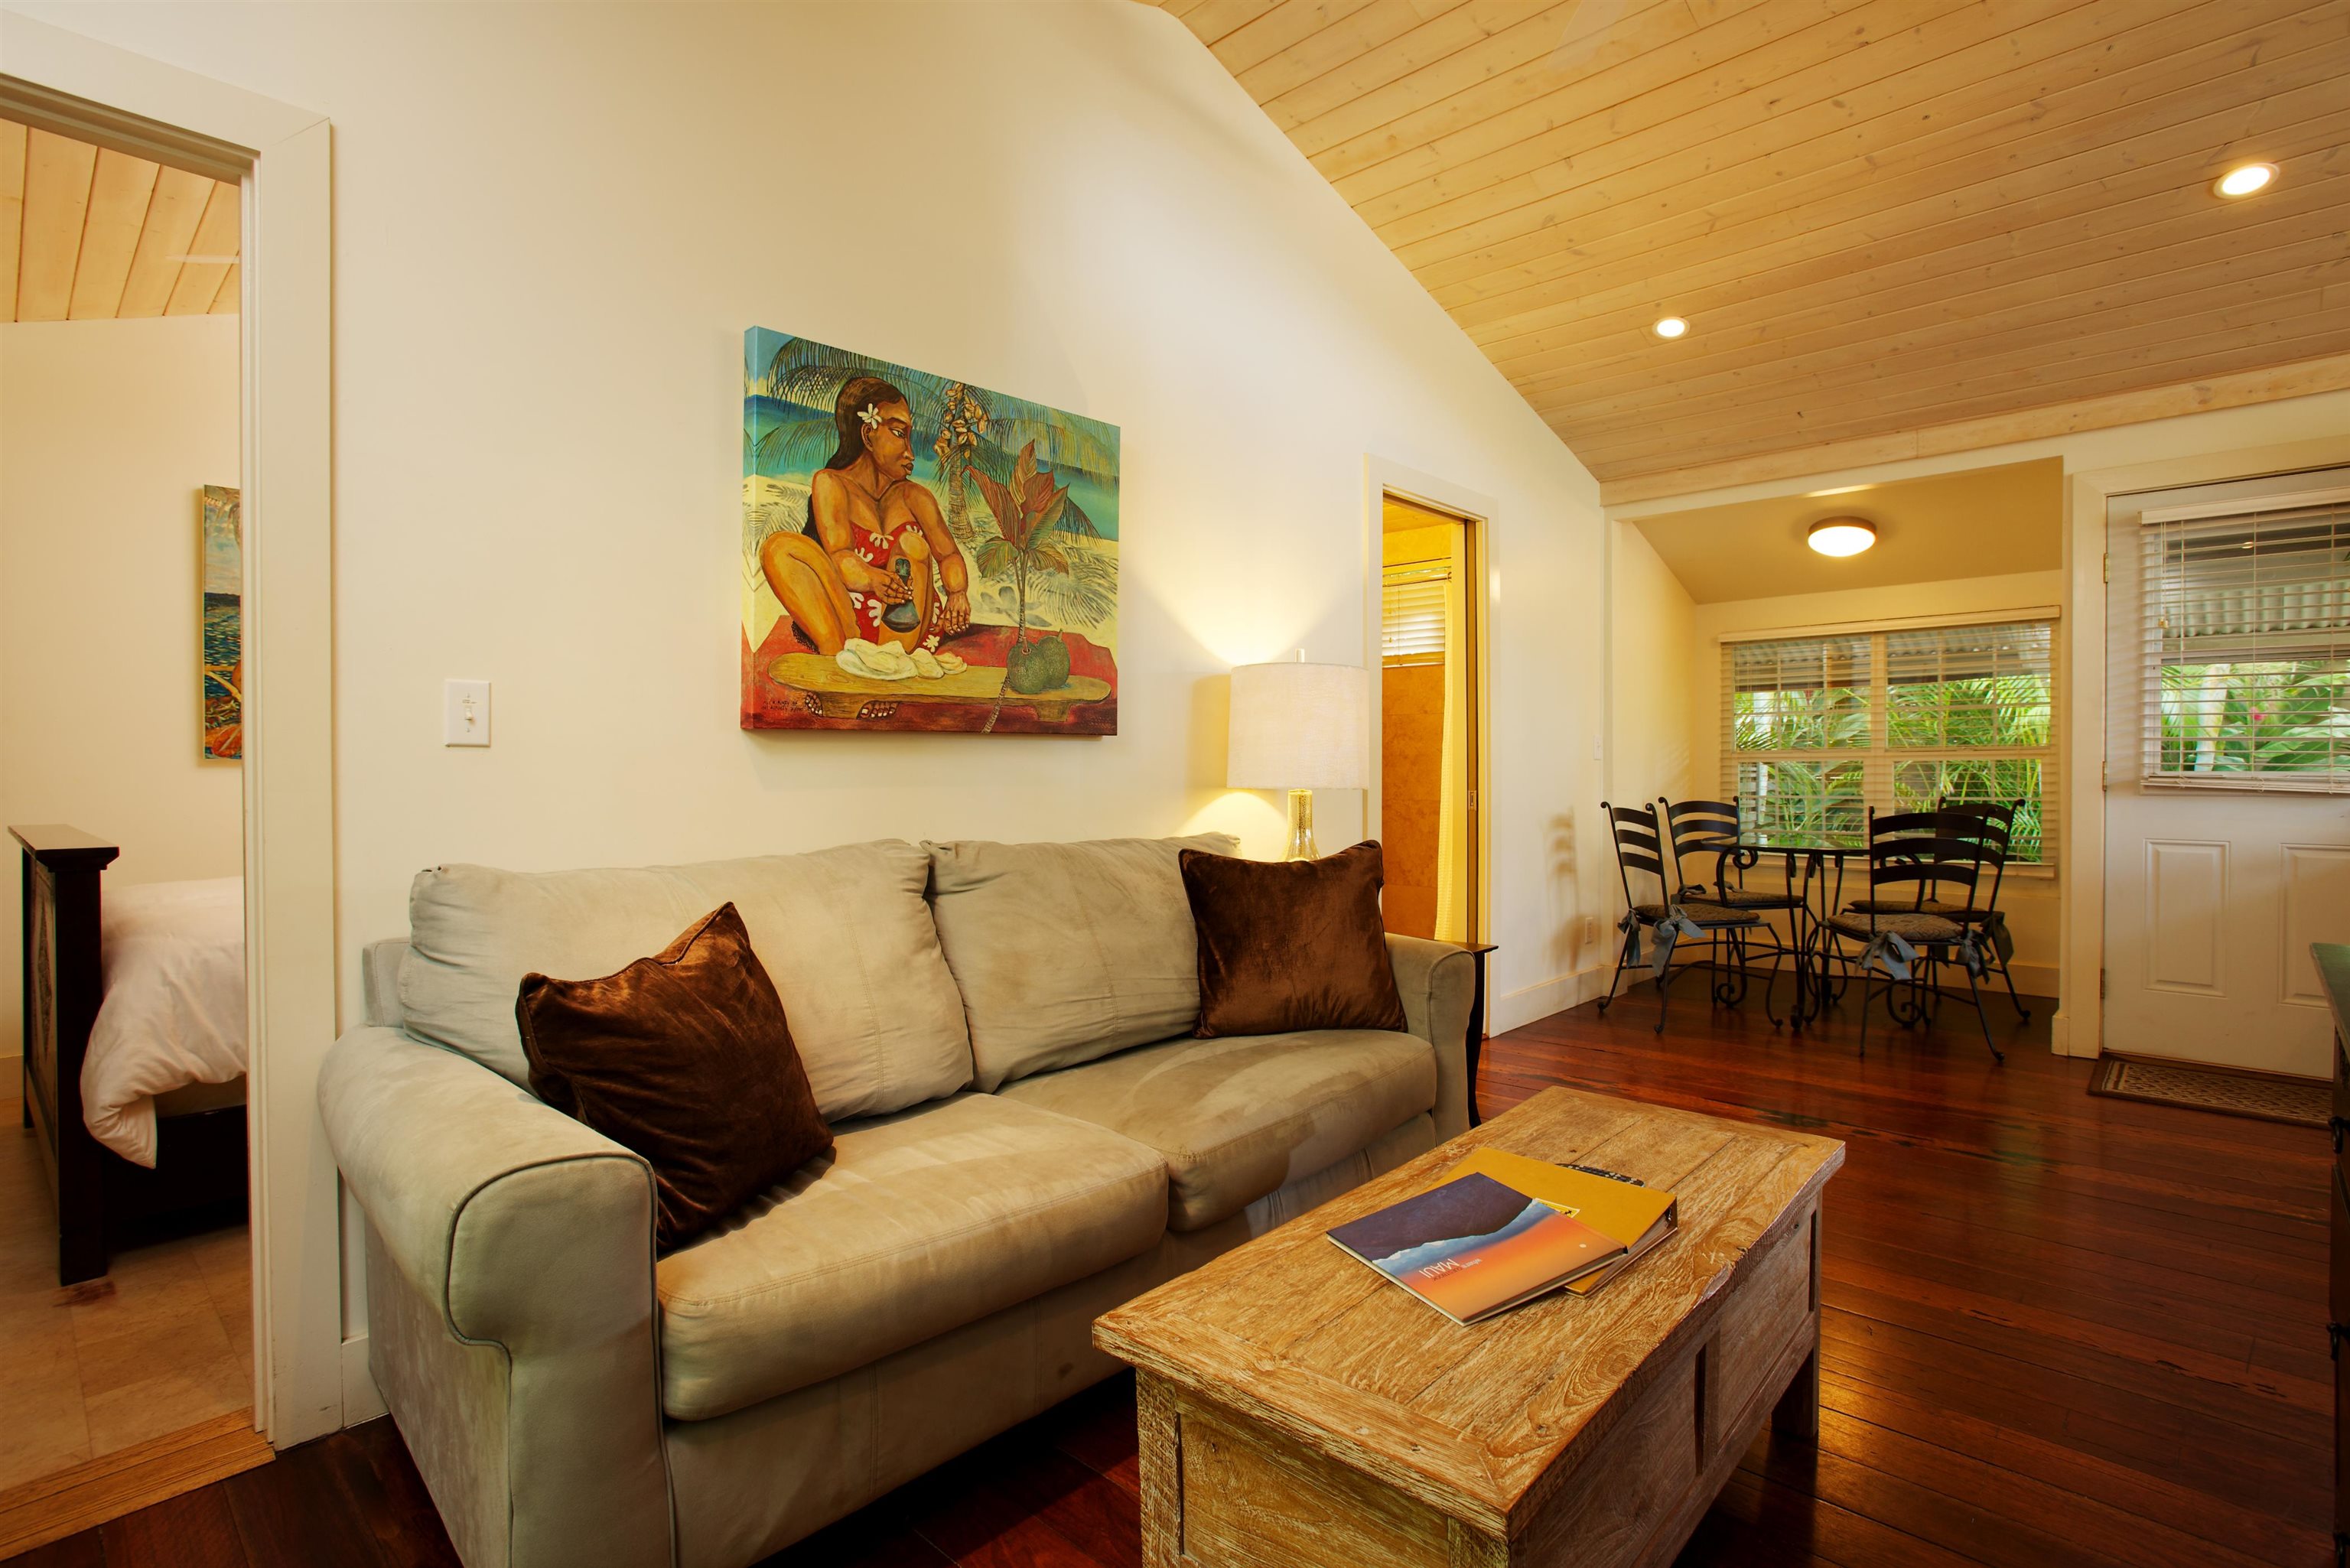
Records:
x=108, y=430
x=1652, y=632
x=552, y=227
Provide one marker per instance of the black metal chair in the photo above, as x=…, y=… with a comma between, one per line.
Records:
x=1912, y=855
x=1999, y=838
x=1640, y=847
x=1701, y=827
x=1993, y=824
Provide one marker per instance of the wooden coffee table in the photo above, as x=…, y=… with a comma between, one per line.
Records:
x=1297, y=1408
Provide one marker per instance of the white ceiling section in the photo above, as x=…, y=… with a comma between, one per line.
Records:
x=88, y=233
x=1979, y=523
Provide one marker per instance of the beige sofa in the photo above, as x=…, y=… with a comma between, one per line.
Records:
x=1026, y=1137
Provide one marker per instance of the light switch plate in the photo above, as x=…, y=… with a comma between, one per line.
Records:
x=465, y=713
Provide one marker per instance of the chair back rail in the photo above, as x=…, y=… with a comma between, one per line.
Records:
x=1698, y=827
x=1640, y=846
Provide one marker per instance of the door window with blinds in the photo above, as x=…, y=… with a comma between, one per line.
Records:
x=1411, y=614
x=1817, y=730
x=2245, y=682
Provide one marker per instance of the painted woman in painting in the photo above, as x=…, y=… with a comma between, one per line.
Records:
x=873, y=559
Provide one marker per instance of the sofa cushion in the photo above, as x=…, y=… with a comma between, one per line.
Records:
x=1068, y=951
x=1286, y=945
x=920, y=1223
x=685, y=1059
x=844, y=934
x=1238, y=1117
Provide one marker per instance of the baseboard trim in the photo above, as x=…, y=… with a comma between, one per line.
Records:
x=362, y=1400
x=107, y=1487
x=1530, y=1004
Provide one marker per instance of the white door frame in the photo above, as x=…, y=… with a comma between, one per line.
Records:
x=1382, y=478
x=122, y=99
x=2078, y=1028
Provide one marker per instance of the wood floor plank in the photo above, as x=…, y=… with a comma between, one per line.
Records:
x=295, y=1513
x=198, y=1530
x=80, y=1551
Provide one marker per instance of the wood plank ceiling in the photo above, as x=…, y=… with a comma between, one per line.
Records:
x=87, y=232
x=1878, y=216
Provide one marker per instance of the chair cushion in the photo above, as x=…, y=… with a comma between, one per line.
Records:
x=1238, y=1117
x=1065, y=952
x=1708, y=917
x=1740, y=899
x=920, y=1223
x=844, y=934
x=1912, y=907
x=1909, y=926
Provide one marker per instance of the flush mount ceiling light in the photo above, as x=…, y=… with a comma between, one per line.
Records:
x=2245, y=179
x=1671, y=327
x=1841, y=535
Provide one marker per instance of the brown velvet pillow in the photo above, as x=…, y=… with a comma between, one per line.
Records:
x=1291, y=944
x=685, y=1059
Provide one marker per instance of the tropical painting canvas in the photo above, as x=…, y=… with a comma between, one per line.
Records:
x=221, y=545
x=920, y=553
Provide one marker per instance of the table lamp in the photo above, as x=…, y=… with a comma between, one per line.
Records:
x=1300, y=726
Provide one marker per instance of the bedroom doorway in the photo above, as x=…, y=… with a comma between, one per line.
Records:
x=126, y=1273
x=306, y=1374
x=1430, y=720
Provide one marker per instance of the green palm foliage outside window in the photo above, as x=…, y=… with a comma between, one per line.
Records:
x=1823, y=729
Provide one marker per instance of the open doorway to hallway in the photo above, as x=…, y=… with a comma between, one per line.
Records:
x=1430, y=721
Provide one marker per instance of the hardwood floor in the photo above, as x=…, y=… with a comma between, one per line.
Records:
x=2059, y=1330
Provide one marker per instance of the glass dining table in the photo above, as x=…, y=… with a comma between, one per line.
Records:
x=1814, y=866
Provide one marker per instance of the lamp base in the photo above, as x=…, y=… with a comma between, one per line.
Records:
x=1301, y=826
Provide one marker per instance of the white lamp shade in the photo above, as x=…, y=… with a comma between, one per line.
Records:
x=1300, y=726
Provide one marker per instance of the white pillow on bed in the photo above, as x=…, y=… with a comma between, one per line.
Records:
x=173, y=958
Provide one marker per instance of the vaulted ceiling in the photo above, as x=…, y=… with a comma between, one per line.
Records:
x=87, y=232
x=1895, y=227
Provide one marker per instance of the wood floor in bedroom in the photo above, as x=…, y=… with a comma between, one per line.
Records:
x=162, y=1344
x=2060, y=1331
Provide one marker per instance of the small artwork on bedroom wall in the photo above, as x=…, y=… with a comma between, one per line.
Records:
x=920, y=553
x=221, y=546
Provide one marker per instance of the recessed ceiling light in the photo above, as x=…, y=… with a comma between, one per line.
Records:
x=1671, y=327
x=1841, y=535
x=2245, y=179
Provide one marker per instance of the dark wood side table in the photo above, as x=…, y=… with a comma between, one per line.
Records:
x=1477, y=950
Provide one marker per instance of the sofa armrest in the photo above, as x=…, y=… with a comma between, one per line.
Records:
x=517, y=1338
x=1439, y=981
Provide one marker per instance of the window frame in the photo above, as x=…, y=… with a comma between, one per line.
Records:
x=1879, y=758
x=2159, y=527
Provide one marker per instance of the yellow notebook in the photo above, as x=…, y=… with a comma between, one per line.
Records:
x=1638, y=1217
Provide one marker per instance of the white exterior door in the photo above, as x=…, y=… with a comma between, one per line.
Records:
x=2217, y=882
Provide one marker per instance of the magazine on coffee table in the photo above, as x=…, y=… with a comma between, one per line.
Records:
x=1474, y=1247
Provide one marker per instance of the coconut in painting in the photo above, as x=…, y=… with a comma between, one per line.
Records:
x=221, y=561
x=920, y=553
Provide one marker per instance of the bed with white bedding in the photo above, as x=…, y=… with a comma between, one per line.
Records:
x=134, y=1043
x=172, y=1016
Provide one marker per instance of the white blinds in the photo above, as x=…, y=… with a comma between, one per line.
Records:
x=1817, y=730
x=2245, y=680
x=1411, y=615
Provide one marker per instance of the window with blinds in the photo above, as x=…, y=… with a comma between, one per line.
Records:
x=1817, y=730
x=2247, y=640
x=1411, y=615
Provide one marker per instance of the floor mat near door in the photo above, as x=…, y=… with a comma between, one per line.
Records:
x=2306, y=1102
